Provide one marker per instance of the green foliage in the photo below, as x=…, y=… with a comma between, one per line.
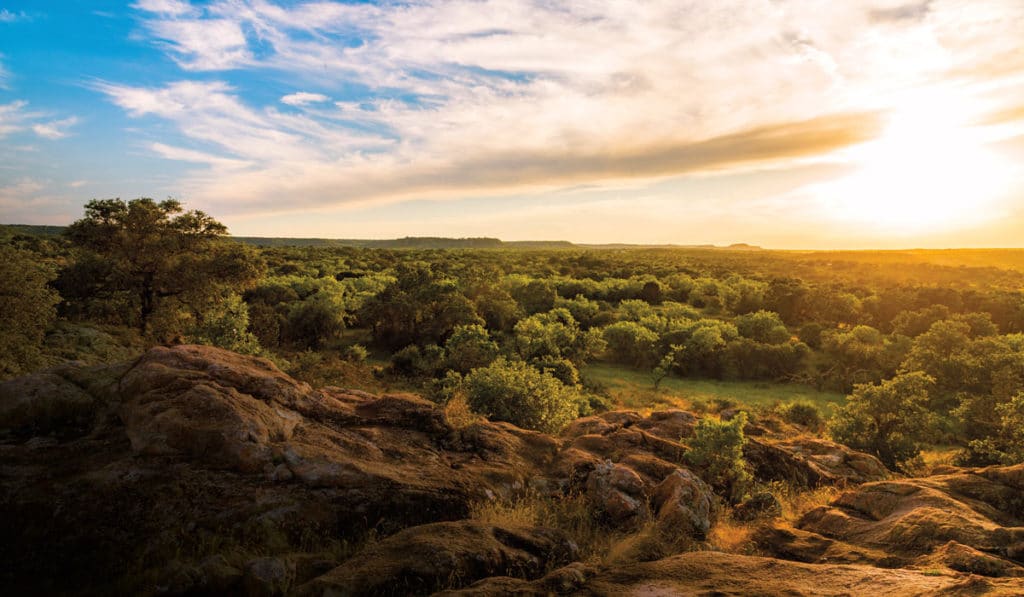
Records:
x=555, y=334
x=536, y=296
x=514, y=391
x=316, y=320
x=356, y=353
x=802, y=412
x=413, y=361
x=765, y=327
x=469, y=347
x=890, y=419
x=227, y=326
x=1006, y=444
x=631, y=343
x=860, y=355
x=27, y=304
x=716, y=450
x=151, y=256
x=420, y=307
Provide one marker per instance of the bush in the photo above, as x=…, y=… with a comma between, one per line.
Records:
x=514, y=391
x=802, y=413
x=27, y=304
x=356, y=353
x=716, y=449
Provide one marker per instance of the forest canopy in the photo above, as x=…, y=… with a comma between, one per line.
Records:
x=928, y=347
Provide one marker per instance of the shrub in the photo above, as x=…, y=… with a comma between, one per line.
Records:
x=803, y=413
x=716, y=449
x=27, y=304
x=514, y=391
x=356, y=353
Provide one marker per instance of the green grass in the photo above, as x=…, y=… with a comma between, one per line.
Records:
x=633, y=388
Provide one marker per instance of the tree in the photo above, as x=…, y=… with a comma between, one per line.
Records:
x=27, y=304
x=631, y=343
x=420, y=307
x=890, y=419
x=156, y=252
x=765, y=327
x=470, y=347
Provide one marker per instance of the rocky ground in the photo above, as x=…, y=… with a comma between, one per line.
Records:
x=196, y=471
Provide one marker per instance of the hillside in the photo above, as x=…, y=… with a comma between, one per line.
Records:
x=194, y=470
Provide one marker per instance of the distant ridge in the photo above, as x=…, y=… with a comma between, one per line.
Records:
x=408, y=242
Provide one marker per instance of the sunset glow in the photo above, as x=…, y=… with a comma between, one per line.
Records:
x=928, y=170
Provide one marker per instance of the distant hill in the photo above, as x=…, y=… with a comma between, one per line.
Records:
x=408, y=242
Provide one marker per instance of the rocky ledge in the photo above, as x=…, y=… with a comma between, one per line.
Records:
x=197, y=471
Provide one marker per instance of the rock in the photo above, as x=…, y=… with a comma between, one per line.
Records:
x=811, y=462
x=616, y=493
x=714, y=573
x=915, y=517
x=423, y=559
x=197, y=446
x=963, y=558
x=268, y=577
x=44, y=403
x=685, y=504
x=760, y=505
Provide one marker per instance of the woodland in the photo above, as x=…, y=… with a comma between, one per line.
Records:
x=913, y=357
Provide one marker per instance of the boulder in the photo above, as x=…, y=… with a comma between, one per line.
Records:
x=616, y=493
x=685, y=505
x=423, y=559
x=811, y=462
x=715, y=573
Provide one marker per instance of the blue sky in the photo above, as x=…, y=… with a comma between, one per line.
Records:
x=786, y=123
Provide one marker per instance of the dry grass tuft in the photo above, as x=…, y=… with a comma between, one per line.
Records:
x=797, y=501
x=570, y=514
x=731, y=536
x=458, y=413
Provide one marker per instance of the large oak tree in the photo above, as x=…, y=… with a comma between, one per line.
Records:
x=153, y=254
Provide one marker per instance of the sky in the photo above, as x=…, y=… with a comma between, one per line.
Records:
x=781, y=123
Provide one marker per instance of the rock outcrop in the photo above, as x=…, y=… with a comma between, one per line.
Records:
x=194, y=470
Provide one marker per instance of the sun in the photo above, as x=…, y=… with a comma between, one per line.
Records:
x=930, y=170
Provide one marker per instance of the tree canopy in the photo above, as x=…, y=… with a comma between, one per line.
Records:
x=149, y=252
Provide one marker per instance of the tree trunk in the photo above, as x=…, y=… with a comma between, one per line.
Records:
x=147, y=298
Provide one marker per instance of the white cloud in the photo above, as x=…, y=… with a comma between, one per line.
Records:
x=12, y=117
x=54, y=129
x=489, y=96
x=302, y=98
x=172, y=8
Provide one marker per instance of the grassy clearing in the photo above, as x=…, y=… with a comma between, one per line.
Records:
x=632, y=388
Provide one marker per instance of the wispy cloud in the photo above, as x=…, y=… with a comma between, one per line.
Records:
x=4, y=75
x=54, y=129
x=469, y=96
x=12, y=117
x=302, y=98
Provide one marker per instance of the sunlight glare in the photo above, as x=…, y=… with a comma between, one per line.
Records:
x=929, y=170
